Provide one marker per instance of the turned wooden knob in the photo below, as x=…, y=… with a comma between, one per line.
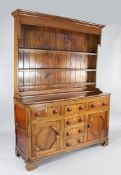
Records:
x=81, y=107
x=89, y=126
x=67, y=144
x=37, y=113
x=69, y=109
x=93, y=105
x=55, y=111
x=104, y=104
x=67, y=133
x=80, y=120
x=79, y=131
x=67, y=122
x=79, y=141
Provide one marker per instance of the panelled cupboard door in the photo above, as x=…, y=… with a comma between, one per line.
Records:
x=45, y=138
x=97, y=125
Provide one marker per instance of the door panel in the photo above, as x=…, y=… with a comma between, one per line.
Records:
x=45, y=138
x=97, y=125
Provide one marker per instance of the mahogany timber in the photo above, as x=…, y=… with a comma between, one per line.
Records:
x=58, y=107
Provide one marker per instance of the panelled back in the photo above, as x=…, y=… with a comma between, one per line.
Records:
x=54, y=58
x=57, y=39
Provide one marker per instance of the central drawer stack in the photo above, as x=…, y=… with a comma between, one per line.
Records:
x=74, y=124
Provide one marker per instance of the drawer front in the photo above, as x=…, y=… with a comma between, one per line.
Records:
x=73, y=141
x=44, y=112
x=74, y=132
x=97, y=104
x=74, y=108
x=74, y=120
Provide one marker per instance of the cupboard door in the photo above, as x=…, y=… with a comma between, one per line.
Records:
x=97, y=125
x=45, y=138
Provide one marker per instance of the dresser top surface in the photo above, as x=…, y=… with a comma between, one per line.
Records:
x=28, y=100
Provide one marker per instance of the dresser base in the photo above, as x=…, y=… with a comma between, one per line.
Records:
x=33, y=164
x=49, y=129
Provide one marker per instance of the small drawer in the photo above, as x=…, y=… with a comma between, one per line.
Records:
x=75, y=108
x=100, y=103
x=46, y=112
x=74, y=132
x=74, y=120
x=73, y=141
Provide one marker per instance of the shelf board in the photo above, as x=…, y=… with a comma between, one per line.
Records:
x=36, y=97
x=50, y=69
x=76, y=85
x=61, y=93
x=55, y=51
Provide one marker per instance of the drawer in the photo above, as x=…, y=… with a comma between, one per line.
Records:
x=74, y=132
x=74, y=120
x=100, y=103
x=73, y=141
x=44, y=112
x=74, y=108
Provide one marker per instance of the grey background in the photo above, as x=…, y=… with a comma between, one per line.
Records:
x=108, y=79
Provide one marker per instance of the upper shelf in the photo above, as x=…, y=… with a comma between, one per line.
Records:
x=55, y=51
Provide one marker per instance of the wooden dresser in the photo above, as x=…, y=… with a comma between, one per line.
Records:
x=58, y=107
